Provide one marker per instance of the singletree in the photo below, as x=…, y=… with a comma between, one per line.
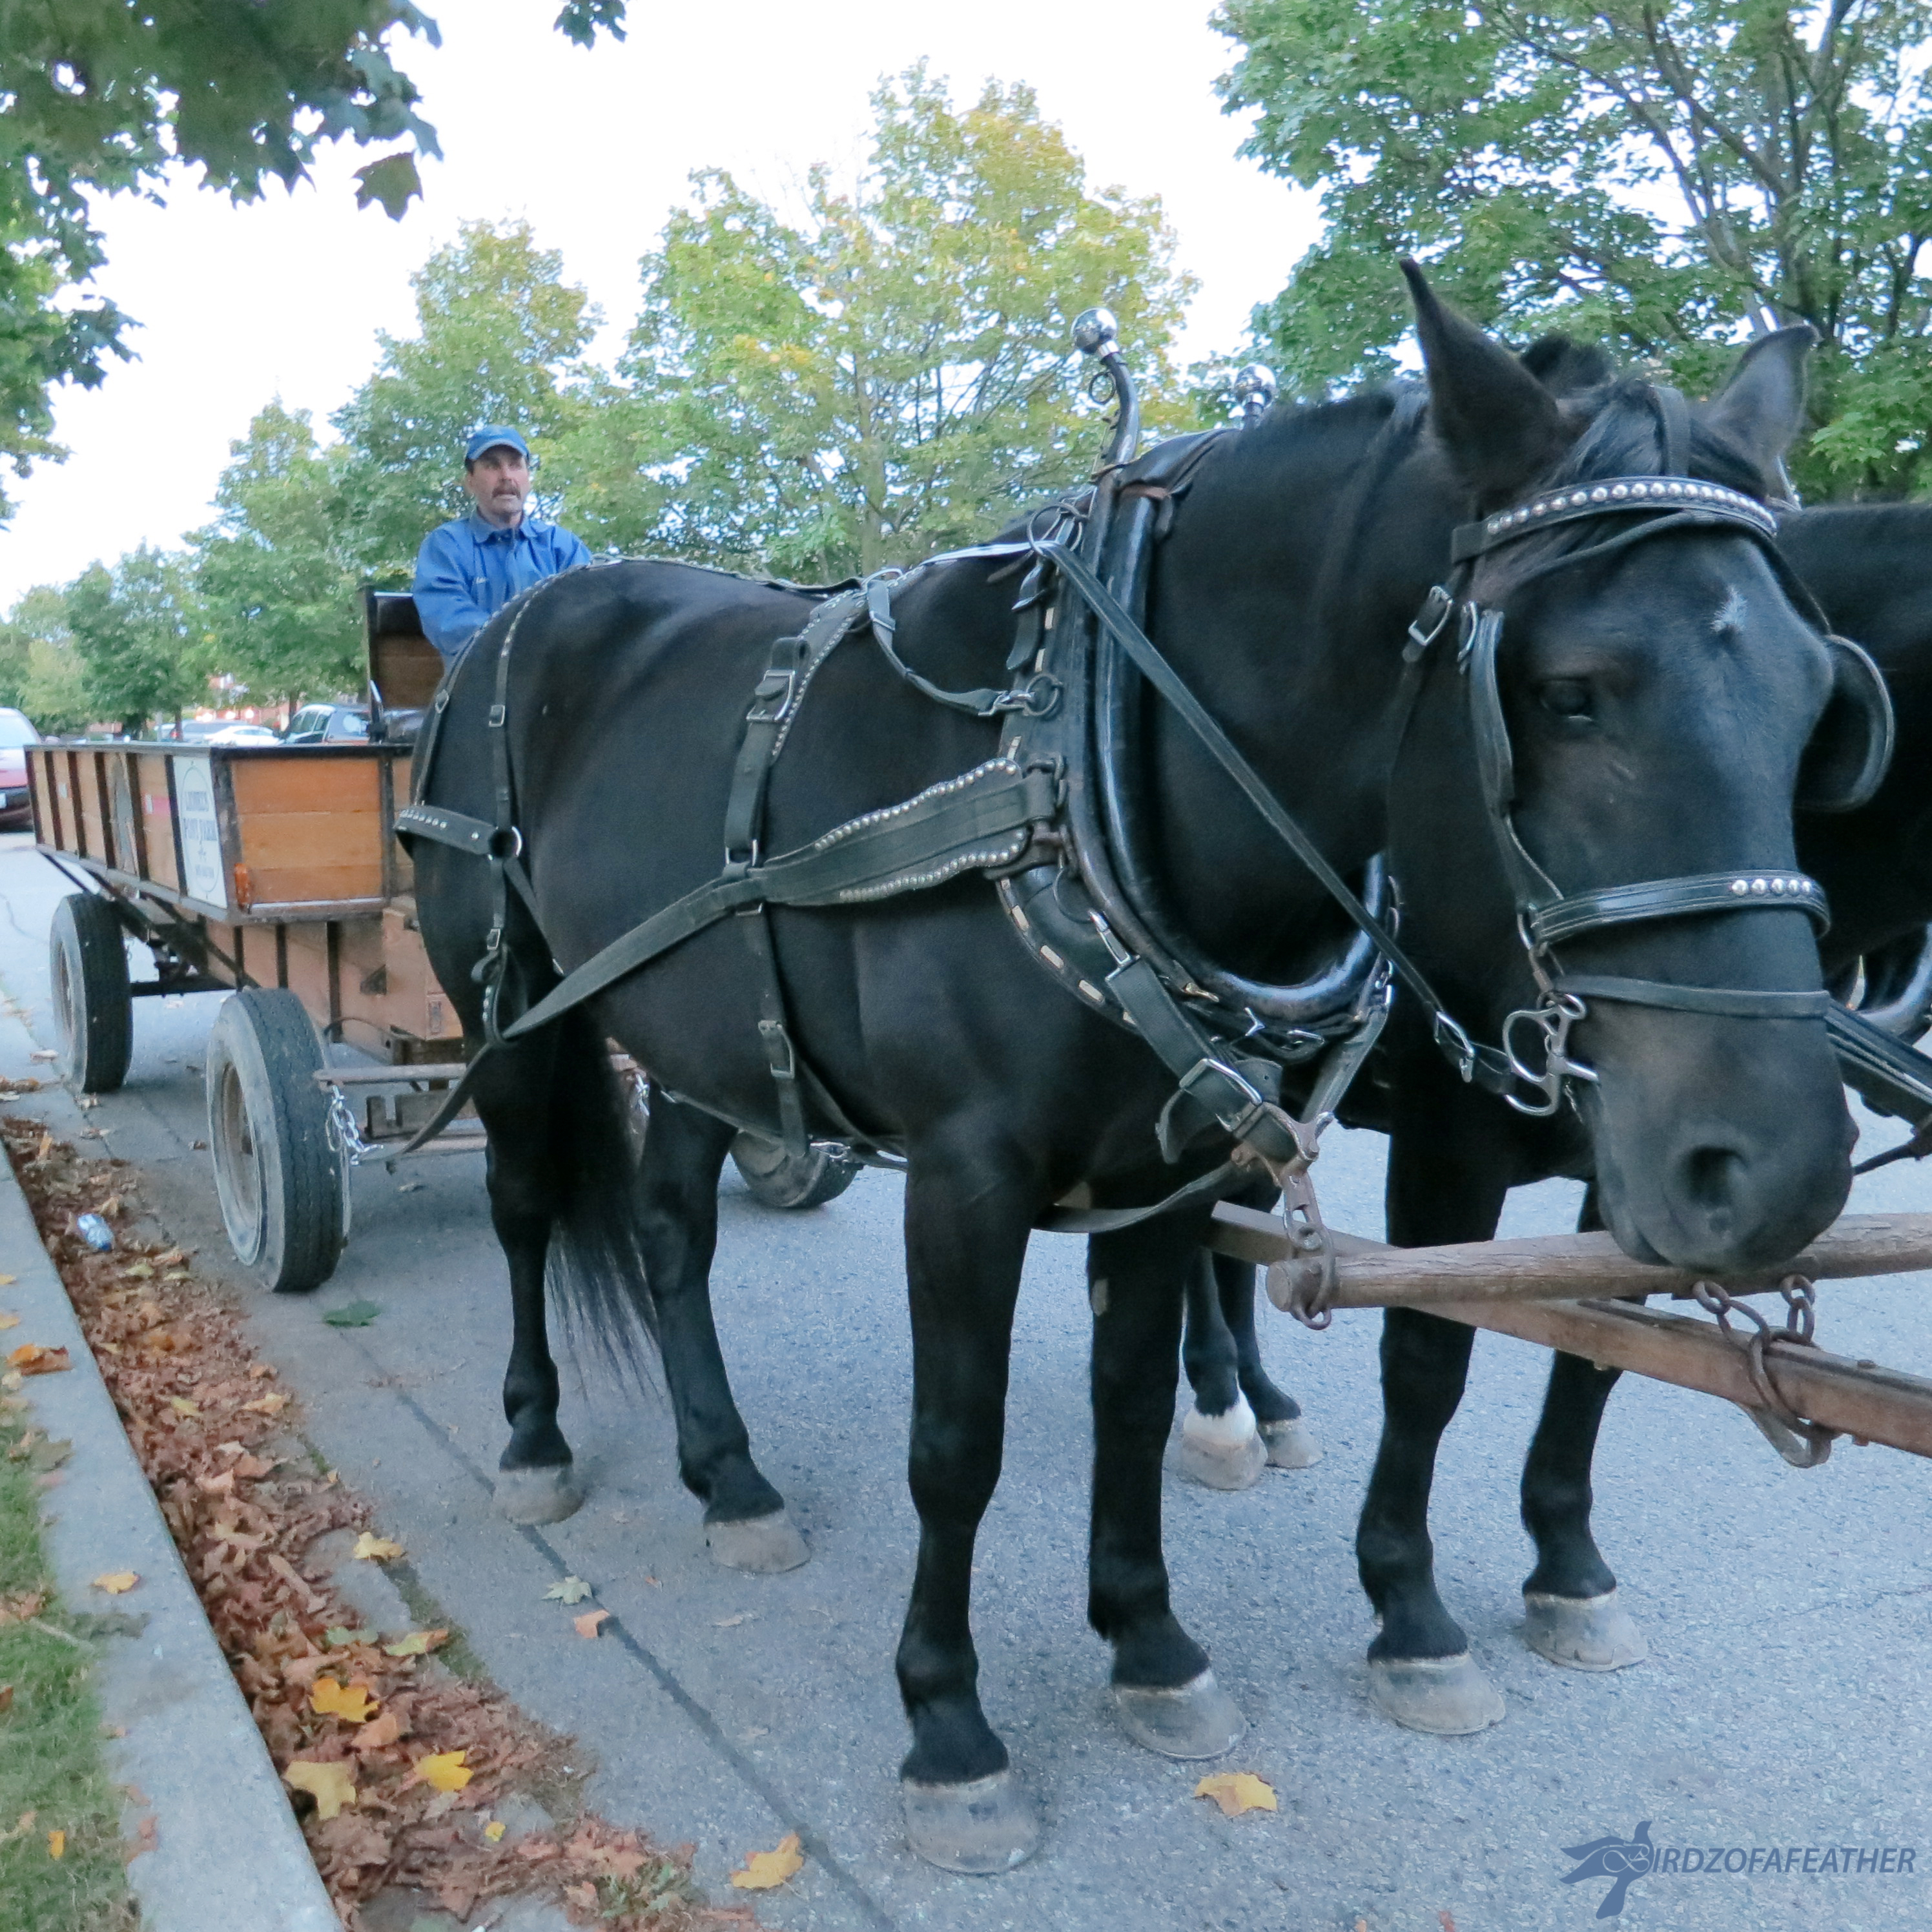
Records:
x=1660, y=175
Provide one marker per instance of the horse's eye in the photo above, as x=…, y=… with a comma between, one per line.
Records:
x=1567, y=696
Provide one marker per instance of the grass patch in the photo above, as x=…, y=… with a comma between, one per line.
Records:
x=51, y=1759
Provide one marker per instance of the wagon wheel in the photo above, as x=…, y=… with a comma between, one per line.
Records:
x=778, y=1181
x=278, y=1175
x=94, y=1012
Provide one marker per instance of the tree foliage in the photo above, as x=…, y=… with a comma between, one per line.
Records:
x=1663, y=174
x=500, y=339
x=891, y=374
x=137, y=630
x=44, y=675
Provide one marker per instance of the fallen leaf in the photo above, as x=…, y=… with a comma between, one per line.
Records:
x=56, y=1844
x=332, y=1785
x=332, y=1700
x=260, y=1371
x=1443, y=1918
x=357, y=1315
x=267, y=1404
x=181, y=1405
x=379, y=1733
x=8, y=1280
x=583, y=1897
x=418, y=1643
x=371, y=1548
x=1236, y=1792
x=731, y=1623
x=46, y=1455
x=6, y=1699
x=9, y=1321
x=147, y=1837
x=31, y=1359
x=444, y=1770
x=138, y=1271
x=339, y=1636
x=116, y=1582
x=494, y=1831
x=572, y=1590
x=590, y=1622
x=764, y=1870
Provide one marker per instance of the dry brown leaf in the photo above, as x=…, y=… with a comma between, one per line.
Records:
x=333, y=1699
x=267, y=1404
x=6, y=1699
x=181, y=1405
x=590, y=1622
x=379, y=1733
x=31, y=1359
x=371, y=1548
x=9, y=1321
x=583, y=1897
x=444, y=1771
x=332, y=1785
x=418, y=1643
x=764, y=1870
x=117, y=1582
x=1236, y=1792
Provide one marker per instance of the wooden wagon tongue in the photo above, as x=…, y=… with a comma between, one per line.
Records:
x=1564, y=1291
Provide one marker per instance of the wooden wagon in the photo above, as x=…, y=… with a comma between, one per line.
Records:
x=273, y=872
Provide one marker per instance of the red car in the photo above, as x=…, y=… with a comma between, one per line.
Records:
x=16, y=808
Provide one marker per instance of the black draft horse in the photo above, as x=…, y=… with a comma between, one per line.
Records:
x=1647, y=743
x=1870, y=566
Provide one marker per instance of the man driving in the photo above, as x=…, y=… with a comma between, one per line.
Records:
x=467, y=570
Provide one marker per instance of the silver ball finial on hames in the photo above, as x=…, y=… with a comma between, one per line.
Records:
x=1096, y=332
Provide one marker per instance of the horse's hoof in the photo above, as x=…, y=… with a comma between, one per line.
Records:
x=1198, y=1720
x=1582, y=1633
x=1222, y=1452
x=539, y=1496
x=1448, y=1697
x=765, y=1545
x=1290, y=1445
x=982, y=1828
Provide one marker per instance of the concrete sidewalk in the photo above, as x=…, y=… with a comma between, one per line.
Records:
x=229, y=1856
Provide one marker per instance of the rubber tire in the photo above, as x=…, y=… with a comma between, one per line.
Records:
x=277, y=1175
x=94, y=1012
x=777, y=1180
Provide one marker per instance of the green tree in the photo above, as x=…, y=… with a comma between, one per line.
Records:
x=140, y=637
x=1664, y=175
x=500, y=337
x=45, y=677
x=890, y=376
x=104, y=97
x=278, y=601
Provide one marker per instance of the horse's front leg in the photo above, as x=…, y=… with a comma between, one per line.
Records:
x=1571, y=1612
x=746, y=1523
x=1166, y=1696
x=968, y=1217
x=1421, y=1673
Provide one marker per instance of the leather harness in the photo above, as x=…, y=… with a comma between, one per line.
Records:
x=1045, y=819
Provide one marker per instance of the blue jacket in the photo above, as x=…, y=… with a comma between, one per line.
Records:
x=467, y=570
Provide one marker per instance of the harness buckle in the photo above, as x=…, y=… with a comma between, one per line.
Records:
x=780, y=685
x=1457, y=1045
x=497, y=715
x=778, y=1049
x=1426, y=626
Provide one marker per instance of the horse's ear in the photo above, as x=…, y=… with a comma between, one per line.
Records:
x=1501, y=426
x=1567, y=368
x=1762, y=408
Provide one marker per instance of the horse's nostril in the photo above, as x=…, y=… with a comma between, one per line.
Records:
x=1712, y=1176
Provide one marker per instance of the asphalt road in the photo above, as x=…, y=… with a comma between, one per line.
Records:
x=1782, y=1705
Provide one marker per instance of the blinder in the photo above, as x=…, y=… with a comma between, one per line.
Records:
x=1851, y=750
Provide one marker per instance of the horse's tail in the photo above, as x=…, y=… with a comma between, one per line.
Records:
x=595, y=1268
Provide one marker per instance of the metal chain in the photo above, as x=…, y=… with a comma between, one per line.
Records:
x=1803, y=1444
x=344, y=1135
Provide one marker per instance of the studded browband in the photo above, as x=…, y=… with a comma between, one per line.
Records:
x=1707, y=503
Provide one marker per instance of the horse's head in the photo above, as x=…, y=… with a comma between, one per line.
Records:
x=1651, y=708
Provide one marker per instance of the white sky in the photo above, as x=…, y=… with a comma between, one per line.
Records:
x=285, y=298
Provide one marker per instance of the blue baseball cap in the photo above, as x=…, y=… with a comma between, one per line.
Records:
x=489, y=437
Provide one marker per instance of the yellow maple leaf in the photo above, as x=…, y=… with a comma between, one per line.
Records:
x=373, y=1548
x=1236, y=1792
x=332, y=1700
x=56, y=1844
x=764, y=1870
x=418, y=1643
x=332, y=1785
x=8, y=1280
x=444, y=1770
x=494, y=1831
x=116, y=1582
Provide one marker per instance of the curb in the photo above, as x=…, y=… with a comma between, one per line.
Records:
x=230, y=1857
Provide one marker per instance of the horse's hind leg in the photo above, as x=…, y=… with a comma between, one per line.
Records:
x=1277, y=1414
x=966, y=1224
x=1163, y=1690
x=1220, y=1447
x=1571, y=1613
x=745, y=1523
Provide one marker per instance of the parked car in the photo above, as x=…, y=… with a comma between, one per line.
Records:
x=328, y=724
x=243, y=734
x=17, y=732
